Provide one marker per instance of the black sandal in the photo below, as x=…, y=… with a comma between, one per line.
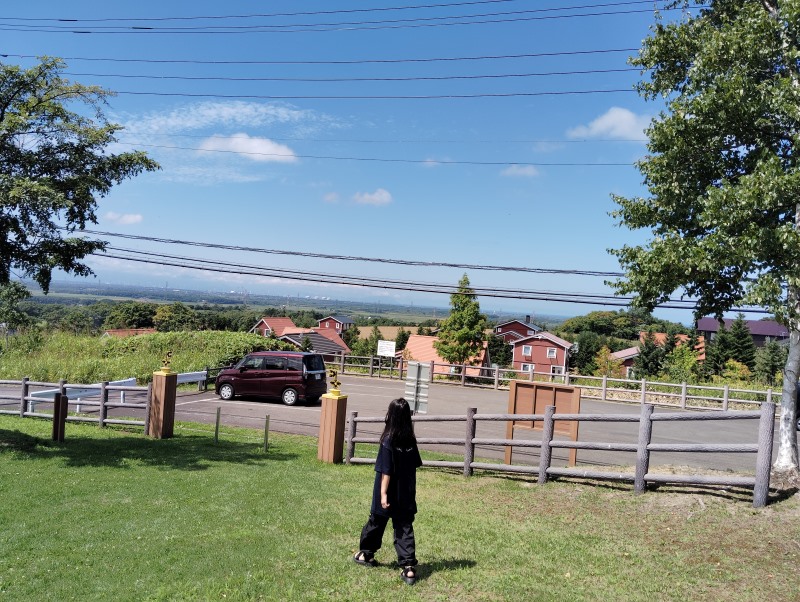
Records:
x=365, y=560
x=407, y=576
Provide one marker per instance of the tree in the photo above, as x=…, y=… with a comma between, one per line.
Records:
x=175, y=316
x=589, y=346
x=54, y=165
x=769, y=360
x=680, y=364
x=461, y=333
x=718, y=351
x=11, y=316
x=723, y=174
x=607, y=365
x=743, y=349
x=650, y=359
x=351, y=336
x=500, y=352
x=401, y=339
x=131, y=314
x=305, y=344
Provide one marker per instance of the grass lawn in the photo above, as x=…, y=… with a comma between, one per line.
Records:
x=112, y=515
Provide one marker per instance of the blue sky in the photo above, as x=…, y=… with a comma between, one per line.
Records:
x=475, y=180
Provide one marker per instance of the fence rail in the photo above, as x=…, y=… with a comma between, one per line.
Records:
x=28, y=397
x=678, y=395
x=641, y=476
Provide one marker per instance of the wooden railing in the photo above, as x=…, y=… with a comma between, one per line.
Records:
x=641, y=476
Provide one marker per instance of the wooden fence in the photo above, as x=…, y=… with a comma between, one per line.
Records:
x=682, y=395
x=643, y=448
x=26, y=400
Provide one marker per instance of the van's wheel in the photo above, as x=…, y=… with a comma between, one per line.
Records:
x=289, y=397
x=226, y=392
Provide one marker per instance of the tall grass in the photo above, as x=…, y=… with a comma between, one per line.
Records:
x=85, y=359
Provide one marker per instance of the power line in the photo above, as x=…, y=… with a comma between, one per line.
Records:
x=378, y=159
x=380, y=97
x=337, y=62
x=355, y=257
x=421, y=141
x=321, y=27
x=357, y=79
x=552, y=296
x=309, y=13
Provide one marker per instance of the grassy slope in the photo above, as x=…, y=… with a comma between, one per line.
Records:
x=113, y=515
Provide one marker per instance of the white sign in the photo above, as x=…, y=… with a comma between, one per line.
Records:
x=386, y=348
x=416, y=390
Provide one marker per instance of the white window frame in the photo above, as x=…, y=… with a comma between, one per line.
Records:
x=530, y=332
x=527, y=367
x=552, y=353
x=556, y=370
x=527, y=350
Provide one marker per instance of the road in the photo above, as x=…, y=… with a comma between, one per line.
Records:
x=369, y=397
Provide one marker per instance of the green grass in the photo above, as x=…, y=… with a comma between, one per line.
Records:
x=112, y=515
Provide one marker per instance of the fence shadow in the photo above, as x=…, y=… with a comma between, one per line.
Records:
x=183, y=452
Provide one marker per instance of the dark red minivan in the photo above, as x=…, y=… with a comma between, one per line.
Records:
x=290, y=375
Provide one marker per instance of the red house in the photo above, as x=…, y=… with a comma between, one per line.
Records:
x=516, y=330
x=338, y=323
x=542, y=352
x=276, y=326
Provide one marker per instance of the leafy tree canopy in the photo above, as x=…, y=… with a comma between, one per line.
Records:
x=54, y=165
x=461, y=334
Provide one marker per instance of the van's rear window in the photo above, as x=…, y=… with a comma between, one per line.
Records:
x=295, y=363
x=314, y=362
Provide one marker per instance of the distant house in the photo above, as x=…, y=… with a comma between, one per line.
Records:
x=627, y=357
x=516, y=330
x=542, y=352
x=762, y=331
x=270, y=326
x=324, y=344
x=338, y=323
x=419, y=348
x=127, y=332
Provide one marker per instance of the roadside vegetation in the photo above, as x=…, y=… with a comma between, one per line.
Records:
x=112, y=515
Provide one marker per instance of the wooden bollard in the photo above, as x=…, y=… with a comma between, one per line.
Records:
x=60, y=407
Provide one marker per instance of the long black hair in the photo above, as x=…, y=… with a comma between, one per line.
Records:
x=399, y=429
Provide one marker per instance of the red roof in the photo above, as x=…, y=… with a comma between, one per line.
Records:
x=419, y=348
x=545, y=335
x=277, y=325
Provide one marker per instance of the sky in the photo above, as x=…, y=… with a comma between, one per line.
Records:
x=483, y=133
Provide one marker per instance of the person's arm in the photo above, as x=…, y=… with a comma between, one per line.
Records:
x=384, y=491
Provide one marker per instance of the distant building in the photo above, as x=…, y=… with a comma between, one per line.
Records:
x=543, y=352
x=419, y=348
x=762, y=331
x=338, y=323
x=270, y=326
x=515, y=330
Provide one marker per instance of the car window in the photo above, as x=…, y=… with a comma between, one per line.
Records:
x=274, y=363
x=254, y=362
x=314, y=362
x=294, y=363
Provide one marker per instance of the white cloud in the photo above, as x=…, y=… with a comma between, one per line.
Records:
x=614, y=123
x=123, y=219
x=525, y=171
x=379, y=197
x=253, y=148
x=331, y=197
x=215, y=114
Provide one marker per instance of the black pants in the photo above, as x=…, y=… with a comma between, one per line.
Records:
x=372, y=535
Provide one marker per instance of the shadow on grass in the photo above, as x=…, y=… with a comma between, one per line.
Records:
x=426, y=569
x=183, y=452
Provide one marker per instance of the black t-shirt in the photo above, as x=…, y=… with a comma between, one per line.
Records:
x=400, y=463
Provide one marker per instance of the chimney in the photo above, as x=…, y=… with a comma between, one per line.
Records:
x=527, y=319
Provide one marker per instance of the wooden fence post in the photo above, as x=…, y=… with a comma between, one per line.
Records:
x=216, y=426
x=103, y=402
x=469, y=446
x=60, y=405
x=371, y=364
x=605, y=387
x=341, y=364
x=566, y=378
x=766, y=427
x=23, y=397
x=547, y=437
x=642, y=453
x=266, y=433
x=463, y=374
x=430, y=376
x=683, y=396
x=351, y=434
x=725, y=396
x=400, y=367
x=147, y=409
x=644, y=391
x=497, y=377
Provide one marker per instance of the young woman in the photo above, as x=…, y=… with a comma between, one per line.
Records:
x=394, y=493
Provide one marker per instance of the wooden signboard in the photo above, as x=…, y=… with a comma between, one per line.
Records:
x=526, y=397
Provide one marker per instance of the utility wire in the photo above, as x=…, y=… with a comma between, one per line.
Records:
x=413, y=140
x=337, y=62
x=357, y=79
x=377, y=159
x=410, y=262
x=320, y=27
x=380, y=97
x=312, y=13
